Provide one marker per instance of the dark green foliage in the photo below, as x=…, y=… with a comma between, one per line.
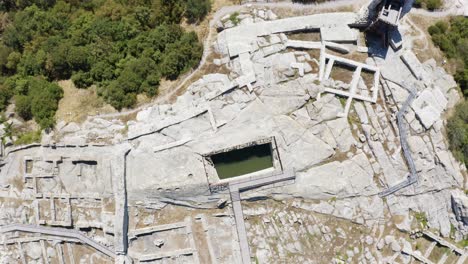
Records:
x=82, y=79
x=453, y=41
x=28, y=138
x=197, y=10
x=234, y=18
x=4, y=53
x=457, y=130
x=29, y=24
x=462, y=79
x=180, y=55
x=428, y=4
x=116, y=96
x=124, y=47
x=23, y=106
x=37, y=98
x=5, y=95
x=9, y=5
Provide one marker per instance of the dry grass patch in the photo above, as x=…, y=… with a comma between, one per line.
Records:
x=355, y=56
x=312, y=9
x=422, y=53
x=341, y=73
x=167, y=215
x=368, y=78
x=77, y=104
x=305, y=36
x=438, y=252
x=217, y=4
x=314, y=54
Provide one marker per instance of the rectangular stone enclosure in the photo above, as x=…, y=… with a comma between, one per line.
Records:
x=256, y=157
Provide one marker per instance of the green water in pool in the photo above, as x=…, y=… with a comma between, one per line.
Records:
x=242, y=161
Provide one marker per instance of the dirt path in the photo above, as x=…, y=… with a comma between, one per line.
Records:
x=421, y=35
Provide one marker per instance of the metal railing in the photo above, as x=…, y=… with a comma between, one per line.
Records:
x=412, y=177
x=58, y=232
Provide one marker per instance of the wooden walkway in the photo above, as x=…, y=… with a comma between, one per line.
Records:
x=412, y=177
x=235, y=188
x=58, y=232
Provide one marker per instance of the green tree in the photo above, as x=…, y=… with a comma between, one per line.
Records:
x=4, y=54
x=37, y=98
x=452, y=39
x=5, y=94
x=82, y=79
x=433, y=4
x=101, y=71
x=114, y=94
x=23, y=106
x=32, y=63
x=13, y=59
x=196, y=10
x=28, y=24
x=457, y=130
x=143, y=15
x=461, y=77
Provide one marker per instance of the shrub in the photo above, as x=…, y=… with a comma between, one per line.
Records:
x=82, y=79
x=433, y=4
x=5, y=94
x=28, y=138
x=428, y=4
x=115, y=95
x=461, y=77
x=452, y=39
x=457, y=132
x=234, y=17
x=197, y=10
x=23, y=107
x=37, y=98
x=421, y=218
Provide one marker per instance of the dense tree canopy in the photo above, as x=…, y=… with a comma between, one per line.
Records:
x=123, y=46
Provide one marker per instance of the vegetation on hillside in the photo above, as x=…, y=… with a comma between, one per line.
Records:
x=452, y=39
x=124, y=47
x=457, y=130
x=428, y=4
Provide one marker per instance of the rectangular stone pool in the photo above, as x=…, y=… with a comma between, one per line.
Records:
x=243, y=161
